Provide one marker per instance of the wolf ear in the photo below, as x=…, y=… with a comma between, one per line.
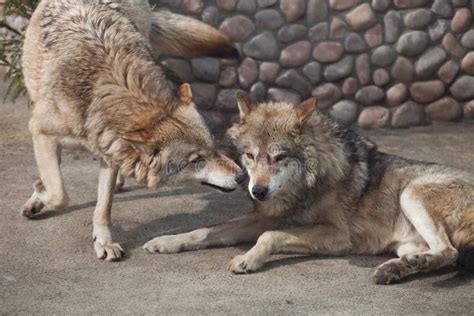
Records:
x=141, y=136
x=185, y=94
x=305, y=109
x=244, y=103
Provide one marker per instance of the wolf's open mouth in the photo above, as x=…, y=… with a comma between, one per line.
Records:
x=218, y=187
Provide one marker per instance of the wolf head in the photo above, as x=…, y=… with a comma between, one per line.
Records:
x=272, y=139
x=177, y=148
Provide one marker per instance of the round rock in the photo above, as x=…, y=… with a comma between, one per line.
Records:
x=383, y=56
x=263, y=46
x=403, y=70
x=327, y=94
x=283, y=95
x=292, y=9
x=418, y=19
x=296, y=54
x=238, y=28
x=412, y=43
x=291, y=33
x=361, y=18
x=339, y=70
x=374, y=117
x=268, y=72
x=206, y=69
x=396, y=95
x=445, y=109
x=344, y=112
x=427, y=91
x=462, y=88
x=430, y=62
x=326, y=52
x=408, y=114
x=269, y=19
x=467, y=64
x=313, y=72
x=461, y=21
x=370, y=95
x=354, y=43
x=248, y=72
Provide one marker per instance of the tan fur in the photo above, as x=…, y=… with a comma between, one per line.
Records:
x=334, y=193
x=92, y=79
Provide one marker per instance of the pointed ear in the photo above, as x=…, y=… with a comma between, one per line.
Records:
x=244, y=103
x=305, y=109
x=185, y=94
x=140, y=136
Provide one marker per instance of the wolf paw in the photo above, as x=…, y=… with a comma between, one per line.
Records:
x=165, y=245
x=30, y=209
x=418, y=261
x=244, y=264
x=108, y=251
x=387, y=273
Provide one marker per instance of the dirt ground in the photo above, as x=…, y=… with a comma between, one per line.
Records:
x=48, y=266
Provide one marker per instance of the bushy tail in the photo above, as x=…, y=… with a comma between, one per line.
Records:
x=466, y=258
x=187, y=37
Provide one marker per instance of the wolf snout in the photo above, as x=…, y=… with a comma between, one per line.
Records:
x=260, y=192
x=240, y=177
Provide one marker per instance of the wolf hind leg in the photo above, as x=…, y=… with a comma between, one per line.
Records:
x=440, y=251
x=49, y=190
x=119, y=183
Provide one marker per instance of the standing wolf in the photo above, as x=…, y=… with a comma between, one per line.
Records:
x=90, y=74
x=321, y=189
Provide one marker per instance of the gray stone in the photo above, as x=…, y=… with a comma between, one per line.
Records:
x=258, y=92
x=344, y=112
x=316, y=11
x=180, y=68
x=383, y=56
x=226, y=100
x=204, y=94
x=228, y=77
x=269, y=19
x=263, y=46
x=418, y=18
x=339, y=70
x=396, y=95
x=408, y=114
x=342, y=4
x=370, y=95
x=248, y=72
x=438, y=29
x=296, y=54
x=238, y=28
x=443, y=8
x=266, y=3
x=319, y=32
x=381, y=5
x=467, y=64
x=374, y=36
x=361, y=18
x=350, y=86
x=403, y=70
x=268, y=72
x=214, y=119
x=462, y=88
x=327, y=94
x=461, y=20
x=363, y=68
x=427, y=91
x=291, y=33
x=412, y=43
x=338, y=28
x=467, y=39
x=410, y=4
x=313, y=72
x=292, y=79
x=381, y=77
x=210, y=16
x=192, y=6
x=247, y=6
x=292, y=9
x=354, y=43
x=393, y=26
x=226, y=5
x=459, y=3
x=445, y=109
x=283, y=95
x=429, y=62
x=448, y=71
x=451, y=44
x=469, y=110
x=171, y=3
x=374, y=117
x=326, y=52
x=206, y=69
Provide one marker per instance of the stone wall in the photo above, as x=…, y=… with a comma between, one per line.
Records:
x=378, y=63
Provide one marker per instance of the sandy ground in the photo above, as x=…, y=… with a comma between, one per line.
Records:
x=48, y=266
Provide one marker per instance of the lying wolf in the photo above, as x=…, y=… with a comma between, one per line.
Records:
x=90, y=73
x=321, y=189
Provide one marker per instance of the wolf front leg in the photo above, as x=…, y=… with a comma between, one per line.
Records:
x=104, y=247
x=49, y=190
x=319, y=239
x=242, y=229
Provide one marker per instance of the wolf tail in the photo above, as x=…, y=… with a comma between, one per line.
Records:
x=187, y=37
x=466, y=258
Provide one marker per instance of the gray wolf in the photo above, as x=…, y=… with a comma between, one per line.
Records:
x=321, y=189
x=90, y=74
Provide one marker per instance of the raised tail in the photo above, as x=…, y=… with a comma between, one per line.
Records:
x=187, y=37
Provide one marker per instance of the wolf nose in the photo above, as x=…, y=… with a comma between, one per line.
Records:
x=260, y=192
x=240, y=178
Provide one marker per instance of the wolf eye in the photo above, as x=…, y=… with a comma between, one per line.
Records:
x=249, y=156
x=197, y=159
x=280, y=157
